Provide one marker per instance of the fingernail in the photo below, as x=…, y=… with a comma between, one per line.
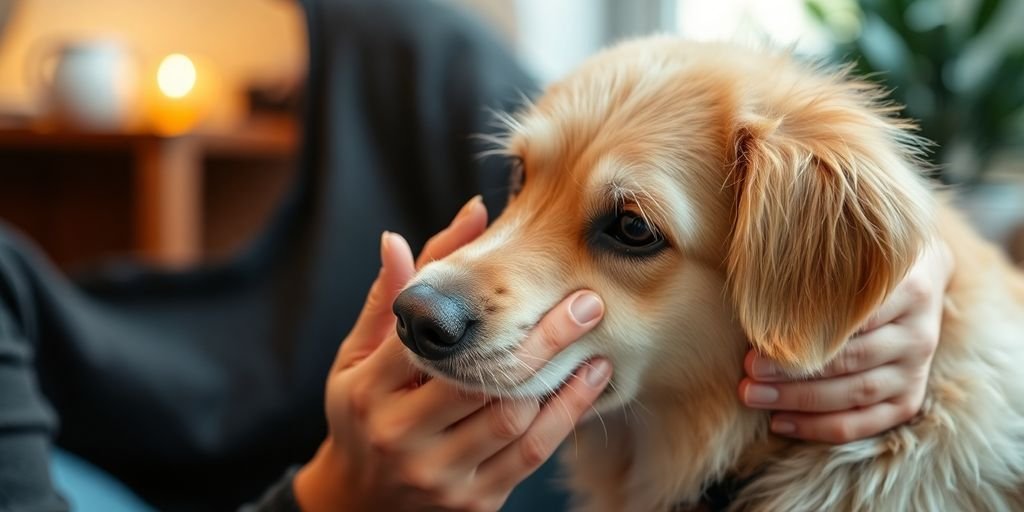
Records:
x=764, y=368
x=783, y=427
x=759, y=394
x=597, y=373
x=585, y=308
x=468, y=207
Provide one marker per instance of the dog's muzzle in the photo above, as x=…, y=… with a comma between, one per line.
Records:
x=432, y=324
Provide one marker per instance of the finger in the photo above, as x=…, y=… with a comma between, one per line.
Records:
x=431, y=408
x=377, y=320
x=867, y=351
x=576, y=315
x=843, y=427
x=898, y=303
x=826, y=395
x=554, y=422
x=417, y=417
x=864, y=352
x=485, y=433
x=468, y=224
x=916, y=292
x=389, y=367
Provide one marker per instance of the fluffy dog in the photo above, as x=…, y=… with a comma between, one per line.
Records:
x=719, y=197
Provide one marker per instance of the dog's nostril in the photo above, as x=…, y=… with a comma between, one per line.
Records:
x=430, y=323
x=432, y=336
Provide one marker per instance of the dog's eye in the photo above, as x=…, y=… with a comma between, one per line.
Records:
x=517, y=176
x=630, y=233
x=632, y=230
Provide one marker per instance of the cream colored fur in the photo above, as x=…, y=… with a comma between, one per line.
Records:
x=792, y=202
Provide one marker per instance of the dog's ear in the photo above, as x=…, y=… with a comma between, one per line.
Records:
x=830, y=215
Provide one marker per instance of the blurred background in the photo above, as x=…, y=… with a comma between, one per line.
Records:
x=166, y=131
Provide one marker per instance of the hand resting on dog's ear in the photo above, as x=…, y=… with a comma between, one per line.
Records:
x=877, y=381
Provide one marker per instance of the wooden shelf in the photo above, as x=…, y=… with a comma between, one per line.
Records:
x=167, y=174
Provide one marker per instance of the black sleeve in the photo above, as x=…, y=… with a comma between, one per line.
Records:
x=280, y=497
x=27, y=424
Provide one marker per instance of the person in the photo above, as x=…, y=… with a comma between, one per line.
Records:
x=198, y=388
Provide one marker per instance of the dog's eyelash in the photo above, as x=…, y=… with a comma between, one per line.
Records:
x=604, y=235
x=634, y=208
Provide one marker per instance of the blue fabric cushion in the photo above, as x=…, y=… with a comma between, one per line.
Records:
x=88, y=488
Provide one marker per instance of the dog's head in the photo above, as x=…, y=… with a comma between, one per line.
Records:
x=699, y=189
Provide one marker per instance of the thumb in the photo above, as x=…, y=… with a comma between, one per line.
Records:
x=376, y=320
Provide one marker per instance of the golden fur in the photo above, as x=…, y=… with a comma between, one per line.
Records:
x=791, y=201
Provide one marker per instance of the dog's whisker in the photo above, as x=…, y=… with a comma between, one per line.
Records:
x=497, y=384
x=526, y=100
x=597, y=413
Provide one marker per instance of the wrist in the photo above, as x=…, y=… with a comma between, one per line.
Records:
x=321, y=485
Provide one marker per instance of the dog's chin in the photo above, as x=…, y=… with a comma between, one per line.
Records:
x=543, y=384
x=490, y=380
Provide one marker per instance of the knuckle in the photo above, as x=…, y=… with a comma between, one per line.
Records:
x=509, y=422
x=550, y=335
x=807, y=399
x=865, y=391
x=382, y=441
x=534, y=450
x=577, y=400
x=918, y=290
x=841, y=365
x=420, y=477
x=359, y=398
x=839, y=432
x=385, y=437
x=906, y=410
x=922, y=344
x=854, y=356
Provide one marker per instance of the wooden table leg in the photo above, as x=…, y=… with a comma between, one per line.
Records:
x=168, y=183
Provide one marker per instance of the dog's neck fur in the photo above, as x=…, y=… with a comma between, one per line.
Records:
x=719, y=429
x=712, y=446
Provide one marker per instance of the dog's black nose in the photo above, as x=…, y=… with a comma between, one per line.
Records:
x=431, y=323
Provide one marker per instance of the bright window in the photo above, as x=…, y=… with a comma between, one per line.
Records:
x=782, y=23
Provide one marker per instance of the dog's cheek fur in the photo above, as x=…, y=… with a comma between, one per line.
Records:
x=829, y=218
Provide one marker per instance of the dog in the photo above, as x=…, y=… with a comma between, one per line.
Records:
x=720, y=197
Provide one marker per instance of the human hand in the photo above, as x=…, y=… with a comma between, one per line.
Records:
x=878, y=380
x=397, y=443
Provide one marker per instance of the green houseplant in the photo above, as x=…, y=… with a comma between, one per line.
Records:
x=956, y=65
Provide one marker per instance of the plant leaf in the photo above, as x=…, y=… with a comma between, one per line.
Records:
x=984, y=14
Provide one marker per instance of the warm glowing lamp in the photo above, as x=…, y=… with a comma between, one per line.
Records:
x=186, y=92
x=176, y=75
x=178, y=100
